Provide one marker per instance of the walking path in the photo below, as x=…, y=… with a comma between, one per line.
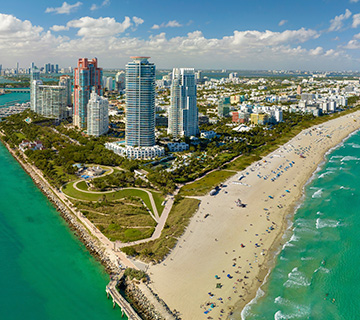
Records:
x=151, y=198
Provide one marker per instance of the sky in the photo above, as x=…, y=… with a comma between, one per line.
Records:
x=229, y=34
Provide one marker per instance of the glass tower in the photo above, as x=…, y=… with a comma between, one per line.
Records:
x=183, y=111
x=140, y=103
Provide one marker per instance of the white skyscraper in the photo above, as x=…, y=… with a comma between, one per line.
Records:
x=97, y=115
x=48, y=101
x=183, y=112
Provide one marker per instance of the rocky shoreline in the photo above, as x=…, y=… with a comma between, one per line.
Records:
x=138, y=299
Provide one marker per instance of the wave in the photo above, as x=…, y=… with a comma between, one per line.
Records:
x=246, y=311
x=296, y=279
x=354, y=145
x=306, y=258
x=325, y=174
x=322, y=269
x=300, y=311
x=317, y=194
x=319, y=213
x=349, y=158
x=326, y=223
x=345, y=188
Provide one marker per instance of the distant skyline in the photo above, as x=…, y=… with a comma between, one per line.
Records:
x=232, y=34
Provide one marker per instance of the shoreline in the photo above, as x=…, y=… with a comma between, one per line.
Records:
x=145, y=304
x=240, y=312
x=193, y=247
x=146, y=301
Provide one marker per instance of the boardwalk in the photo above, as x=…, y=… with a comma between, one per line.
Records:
x=119, y=299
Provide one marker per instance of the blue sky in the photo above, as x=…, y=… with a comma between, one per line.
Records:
x=232, y=34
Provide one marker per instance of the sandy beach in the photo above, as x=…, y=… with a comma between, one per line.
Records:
x=226, y=251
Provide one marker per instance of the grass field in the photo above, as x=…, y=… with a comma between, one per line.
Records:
x=70, y=191
x=205, y=184
x=158, y=199
x=178, y=220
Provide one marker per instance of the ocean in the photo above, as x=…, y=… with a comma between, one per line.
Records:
x=14, y=96
x=46, y=273
x=315, y=275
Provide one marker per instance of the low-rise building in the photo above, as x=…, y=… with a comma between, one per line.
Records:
x=177, y=146
x=135, y=152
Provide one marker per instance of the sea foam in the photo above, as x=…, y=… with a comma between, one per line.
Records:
x=317, y=194
x=296, y=279
x=326, y=223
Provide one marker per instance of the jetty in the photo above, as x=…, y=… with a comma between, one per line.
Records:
x=118, y=299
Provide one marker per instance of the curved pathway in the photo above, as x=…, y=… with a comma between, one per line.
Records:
x=151, y=198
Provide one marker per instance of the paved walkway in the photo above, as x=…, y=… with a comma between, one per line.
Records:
x=154, y=214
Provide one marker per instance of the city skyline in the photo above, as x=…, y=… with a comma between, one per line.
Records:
x=308, y=35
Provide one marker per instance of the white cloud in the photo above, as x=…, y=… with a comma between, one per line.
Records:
x=282, y=22
x=170, y=24
x=137, y=21
x=357, y=36
x=337, y=23
x=242, y=49
x=65, y=8
x=101, y=27
x=352, y=44
x=13, y=28
x=57, y=28
x=173, y=24
x=95, y=6
x=317, y=51
x=354, y=1
x=356, y=20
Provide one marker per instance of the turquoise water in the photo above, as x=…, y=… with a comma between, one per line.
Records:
x=316, y=273
x=10, y=97
x=45, y=272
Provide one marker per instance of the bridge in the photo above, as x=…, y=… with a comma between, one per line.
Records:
x=118, y=299
x=17, y=90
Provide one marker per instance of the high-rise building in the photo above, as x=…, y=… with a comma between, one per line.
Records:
x=120, y=81
x=49, y=101
x=65, y=81
x=34, y=76
x=183, y=112
x=109, y=83
x=98, y=115
x=140, y=103
x=87, y=76
x=224, y=106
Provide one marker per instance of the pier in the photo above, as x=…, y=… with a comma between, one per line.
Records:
x=118, y=299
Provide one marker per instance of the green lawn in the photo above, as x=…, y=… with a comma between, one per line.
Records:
x=70, y=191
x=205, y=184
x=158, y=198
x=82, y=185
x=178, y=220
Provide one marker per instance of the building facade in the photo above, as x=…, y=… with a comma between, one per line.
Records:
x=34, y=75
x=223, y=107
x=135, y=152
x=49, y=101
x=140, y=103
x=65, y=81
x=183, y=111
x=98, y=115
x=87, y=76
